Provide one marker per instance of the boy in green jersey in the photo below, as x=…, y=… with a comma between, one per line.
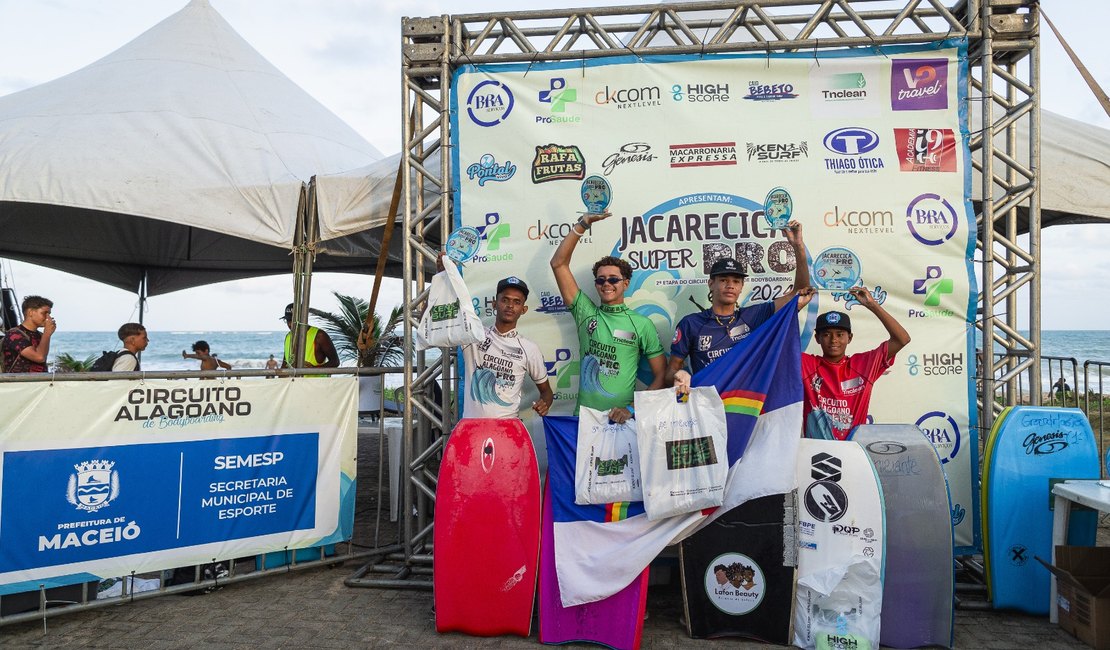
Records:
x=612, y=337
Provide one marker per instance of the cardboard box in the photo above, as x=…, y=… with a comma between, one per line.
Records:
x=1083, y=592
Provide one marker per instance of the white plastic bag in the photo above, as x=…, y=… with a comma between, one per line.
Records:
x=683, y=452
x=607, y=463
x=449, y=319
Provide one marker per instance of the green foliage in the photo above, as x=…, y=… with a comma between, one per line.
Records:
x=66, y=362
x=344, y=326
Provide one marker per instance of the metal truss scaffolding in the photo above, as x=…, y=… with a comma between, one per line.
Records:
x=1002, y=38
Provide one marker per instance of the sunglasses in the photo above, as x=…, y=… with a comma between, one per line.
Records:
x=611, y=280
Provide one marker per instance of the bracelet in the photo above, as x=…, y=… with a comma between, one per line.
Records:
x=585, y=224
x=575, y=232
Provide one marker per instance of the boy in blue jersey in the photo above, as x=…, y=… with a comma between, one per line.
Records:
x=706, y=335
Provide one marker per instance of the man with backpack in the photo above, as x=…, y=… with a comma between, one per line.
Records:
x=134, y=339
x=25, y=348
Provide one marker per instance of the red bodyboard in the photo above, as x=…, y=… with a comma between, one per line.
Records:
x=487, y=529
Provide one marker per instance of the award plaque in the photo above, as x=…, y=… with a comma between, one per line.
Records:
x=463, y=244
x=596, y=194
x=837, y=269
x=777, y=208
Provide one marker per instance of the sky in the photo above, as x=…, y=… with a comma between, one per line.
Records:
x=346, y=53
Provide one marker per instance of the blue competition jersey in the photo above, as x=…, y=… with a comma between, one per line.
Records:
x=704, y=336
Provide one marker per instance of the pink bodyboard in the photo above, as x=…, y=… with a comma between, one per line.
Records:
x=617, y=621
x=487, y=529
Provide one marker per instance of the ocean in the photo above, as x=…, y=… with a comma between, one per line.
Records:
x=240, y=349
x=252, y=349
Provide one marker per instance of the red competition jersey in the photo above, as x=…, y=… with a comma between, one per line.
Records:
x=837, y=395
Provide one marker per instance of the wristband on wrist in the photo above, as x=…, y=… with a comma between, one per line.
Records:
x=574, y=231
x=585, y=224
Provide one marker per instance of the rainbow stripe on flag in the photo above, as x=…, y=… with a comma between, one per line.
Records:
x=743, y=402
x=617, y=511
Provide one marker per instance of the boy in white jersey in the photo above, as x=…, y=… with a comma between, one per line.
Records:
x=495, y=368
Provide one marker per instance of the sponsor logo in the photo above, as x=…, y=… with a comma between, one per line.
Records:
x=886, y=447
x=487, y=169
x=611, y=467
x=851, y=141
x=93, y=486
x=705, y=342
x=847, y=531
x=703, y=154
x=933, y=286
x=825, y=467
x=931, y=219
x=845, y=87
x=564, y=369
x=494, y=231
x=180, y=407
x=444, y=312
x=812, y=546
x=633, y=152
x=937, y=363
x=925, y=150
x=623, y=98
x=691, y=452
x=699, y=92
x=775, y=152
x=1047, y=443
x=488, y=455
x=1019, y=554
x=734, y=583
x=490, y=103
x=695, y=230
x=558, y=96
x=941, y=430
x=868, y=551
x=860, y=222
x=554, y=233
x=807, y=528
x=958, y=514
x=918, y=84
x=551, y=303
x=770, y=92
x=555, y=162
x=826, y=501
x=851, y=144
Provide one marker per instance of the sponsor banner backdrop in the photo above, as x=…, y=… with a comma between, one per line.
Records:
x=871, y=149
x=100, y=479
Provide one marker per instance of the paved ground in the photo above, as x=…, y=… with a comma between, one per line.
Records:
x=312, y=608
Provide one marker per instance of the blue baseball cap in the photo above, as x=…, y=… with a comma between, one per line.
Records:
x=512, y=282
x=834, y=320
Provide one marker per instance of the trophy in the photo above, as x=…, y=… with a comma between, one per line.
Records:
x=596, y=194
x=777, y=208
x=463, y=244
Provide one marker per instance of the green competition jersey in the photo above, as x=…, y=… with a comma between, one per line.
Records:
x=612, y=339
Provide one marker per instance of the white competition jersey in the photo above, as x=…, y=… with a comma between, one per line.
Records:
x=495, y=370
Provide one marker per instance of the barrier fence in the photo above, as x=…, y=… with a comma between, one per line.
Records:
x=372, y=531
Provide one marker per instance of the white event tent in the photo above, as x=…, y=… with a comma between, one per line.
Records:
x=183, y=157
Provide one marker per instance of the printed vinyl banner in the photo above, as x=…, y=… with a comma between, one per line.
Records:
x=704, y=154
x=99, y=479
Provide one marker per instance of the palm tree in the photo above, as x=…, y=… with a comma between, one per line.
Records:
x=344, y=327
x=66, y=362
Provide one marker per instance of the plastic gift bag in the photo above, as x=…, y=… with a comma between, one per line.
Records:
x=683, y=452
x=607, y=464
x=449, y=319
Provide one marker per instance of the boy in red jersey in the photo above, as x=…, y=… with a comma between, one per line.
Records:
x=837, y=385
